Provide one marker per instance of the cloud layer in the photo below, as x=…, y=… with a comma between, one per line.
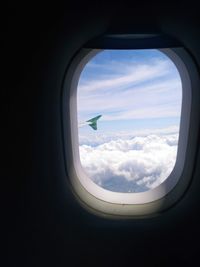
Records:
x=130, y=164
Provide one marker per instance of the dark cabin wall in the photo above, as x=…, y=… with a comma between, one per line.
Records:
x=44, y=224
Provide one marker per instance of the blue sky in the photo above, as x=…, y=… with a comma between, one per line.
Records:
x=132, y=89
x=139, y=94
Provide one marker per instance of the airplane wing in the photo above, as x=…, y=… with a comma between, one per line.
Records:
x=92, y=122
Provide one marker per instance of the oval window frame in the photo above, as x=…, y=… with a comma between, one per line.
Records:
x=101, y=201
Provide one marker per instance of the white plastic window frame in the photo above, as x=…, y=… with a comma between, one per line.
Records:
x=124, y=205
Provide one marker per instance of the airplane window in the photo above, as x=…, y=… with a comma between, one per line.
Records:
x=129, y=109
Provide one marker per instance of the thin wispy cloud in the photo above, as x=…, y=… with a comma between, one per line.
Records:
x=148, y=101
x=150, y=89
x=128, y=75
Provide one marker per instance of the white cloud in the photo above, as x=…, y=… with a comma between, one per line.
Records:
x=136, y=92
x=161, y=99
x=94, y=139
x=130, y=164
x=134, y=74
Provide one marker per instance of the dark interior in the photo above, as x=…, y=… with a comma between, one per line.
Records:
x=44, y=224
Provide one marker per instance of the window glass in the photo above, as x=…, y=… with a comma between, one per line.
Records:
x=129, y=107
